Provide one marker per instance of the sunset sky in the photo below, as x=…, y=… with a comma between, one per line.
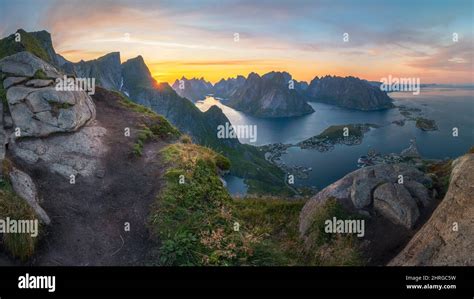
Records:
x=196, y=38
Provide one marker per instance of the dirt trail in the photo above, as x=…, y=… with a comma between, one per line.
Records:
x=89, y=218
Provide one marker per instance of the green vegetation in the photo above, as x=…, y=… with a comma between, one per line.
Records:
x=159, y=125
x=144, y=135
x=441, y=175
x=40, y=74
x=261, y=176
x=22, y=245
x=331, y=249
x=336, y=132
x=426, y=124
x=126, y=102
x=55, y=107
x=158, y=128
x=8, y=46
x=198, y=223
x=194, y=221
x=3, y=92
x=185, y=138
x=155, y=126
x=276, y=220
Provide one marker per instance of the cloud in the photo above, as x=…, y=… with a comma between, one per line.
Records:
x=456, y=57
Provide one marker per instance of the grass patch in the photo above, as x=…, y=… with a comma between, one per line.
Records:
x=276, y=221
x=9, y=46
x=3, y=92
x=20, y=246
x=196, y=221
x=40, y=74
x=325, y=249
x=158, y=128
x=127, y=103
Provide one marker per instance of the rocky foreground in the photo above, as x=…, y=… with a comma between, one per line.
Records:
x=447, y=238
x=395, y=210
x=66, y=155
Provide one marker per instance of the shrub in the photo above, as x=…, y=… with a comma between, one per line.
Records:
x=222, y=162
x=186, y=139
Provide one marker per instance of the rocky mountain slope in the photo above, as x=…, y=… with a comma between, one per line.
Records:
x=193, y=89
x=348, y=92
x=247, y=161
x=447, y=238
x=106, y=70
x=271, y=95
x=225, y=88
x=133, y=79
x=87, y=184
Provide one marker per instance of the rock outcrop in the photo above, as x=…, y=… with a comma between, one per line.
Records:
x=67, y=154
x=411, y=151
x=193, y=89
x=348, y=92
x=376, y=190
x=25, y=64
x=225, y=88
x=447, y=238
x=24, y=187
x=393, y=201
x=106, y=70
x=272, y=95
x=37, y=108
x=45, y=127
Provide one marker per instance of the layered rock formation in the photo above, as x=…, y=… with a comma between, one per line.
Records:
x=348, y=92
x=447, y=238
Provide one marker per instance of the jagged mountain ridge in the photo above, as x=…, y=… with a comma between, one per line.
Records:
x=106, y=70
x=348, y=92
x=194, y=89
x=274, y=95
x=271, y=95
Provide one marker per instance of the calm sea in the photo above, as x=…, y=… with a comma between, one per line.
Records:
x=449, y=107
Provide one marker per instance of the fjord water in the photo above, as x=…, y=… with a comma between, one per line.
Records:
x=449, y=107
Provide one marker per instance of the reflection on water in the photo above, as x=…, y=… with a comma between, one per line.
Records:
x=449, y=107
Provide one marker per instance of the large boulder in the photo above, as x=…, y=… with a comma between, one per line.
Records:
x=393, y=201
x=356, y=191
x=447, y=238
x=67, y=154
x=25, y=64
x=419, y=192
x=24, y=187
x=37, y=108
